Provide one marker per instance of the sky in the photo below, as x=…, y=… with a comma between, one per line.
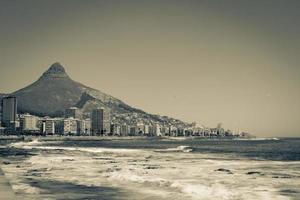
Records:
x=210, y=61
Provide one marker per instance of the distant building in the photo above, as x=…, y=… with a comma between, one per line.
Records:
x=173, y=131
x=152, y=131
x=85, y=126
x=70, y=126
x=9, y=112
x=133, y=131
x=100, y=121
x=47, y=126
x=164, y=130
x=180, y=131
x=146, y=130
x=157, y=130
x=140, y=128
x=115, y=129
x=59, y=125
x=28, y=123
x=124, y=130
x=72, y=112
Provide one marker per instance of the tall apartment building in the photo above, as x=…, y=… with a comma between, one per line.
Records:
x=100, y=121
x=9, y=112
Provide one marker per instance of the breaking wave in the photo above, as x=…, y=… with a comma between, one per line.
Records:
x=180, y=148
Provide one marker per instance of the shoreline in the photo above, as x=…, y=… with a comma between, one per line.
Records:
x=59, y=173
x=105, y=138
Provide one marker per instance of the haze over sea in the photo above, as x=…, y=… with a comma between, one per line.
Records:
x=153, y=168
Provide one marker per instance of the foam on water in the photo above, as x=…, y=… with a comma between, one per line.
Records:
x=168, y=175
x=22, y=144
x=35, y=144
x=181, y=148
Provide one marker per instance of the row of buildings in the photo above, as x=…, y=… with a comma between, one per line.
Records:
x=71, y=123
x=99, y=122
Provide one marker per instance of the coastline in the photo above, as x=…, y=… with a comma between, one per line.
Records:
x=100, y=138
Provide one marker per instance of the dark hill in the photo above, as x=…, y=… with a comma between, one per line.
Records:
x=55, y=91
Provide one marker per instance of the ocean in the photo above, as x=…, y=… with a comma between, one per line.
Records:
x=154, y=168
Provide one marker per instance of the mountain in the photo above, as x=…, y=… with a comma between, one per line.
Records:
x=55, y=91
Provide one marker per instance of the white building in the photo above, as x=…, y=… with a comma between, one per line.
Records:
x=48, y=126
x=28, y=122
x=146, y=129
x=157, y=129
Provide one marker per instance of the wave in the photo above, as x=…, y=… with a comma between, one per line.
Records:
x=35, y=144
x=257, y=139
x=181, y=148
x=22, y=144
x=38, y=145
x=196, y=191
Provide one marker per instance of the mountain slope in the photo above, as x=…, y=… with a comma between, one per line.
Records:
x=55, y=91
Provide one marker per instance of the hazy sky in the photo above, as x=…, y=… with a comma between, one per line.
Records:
x=235, y=62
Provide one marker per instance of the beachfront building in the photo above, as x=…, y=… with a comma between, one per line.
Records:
x=85, y=126
x=174, y=131
x=133, y=130
x=70, y=126
x=124, y=130
x=100, y=121
x=165, y=130
x=140, y=128
x=157, y=130
x=151, y=130
x=28, y=123
x=115, y=129
x=48, y=126
x=9, y=112
x=59, y=126
x=146, y=129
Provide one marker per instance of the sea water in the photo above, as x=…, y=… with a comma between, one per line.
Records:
x=154, y=168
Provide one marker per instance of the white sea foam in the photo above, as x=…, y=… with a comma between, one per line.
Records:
x=38, y=145
x=23, y=143
x=256, y=139
x=25, y=188
x=180, y=148
x=199, y=191
x=170, y=175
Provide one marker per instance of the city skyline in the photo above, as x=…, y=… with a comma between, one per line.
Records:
x=240, y=70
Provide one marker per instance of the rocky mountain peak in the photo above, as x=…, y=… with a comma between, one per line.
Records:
x=56, y=70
